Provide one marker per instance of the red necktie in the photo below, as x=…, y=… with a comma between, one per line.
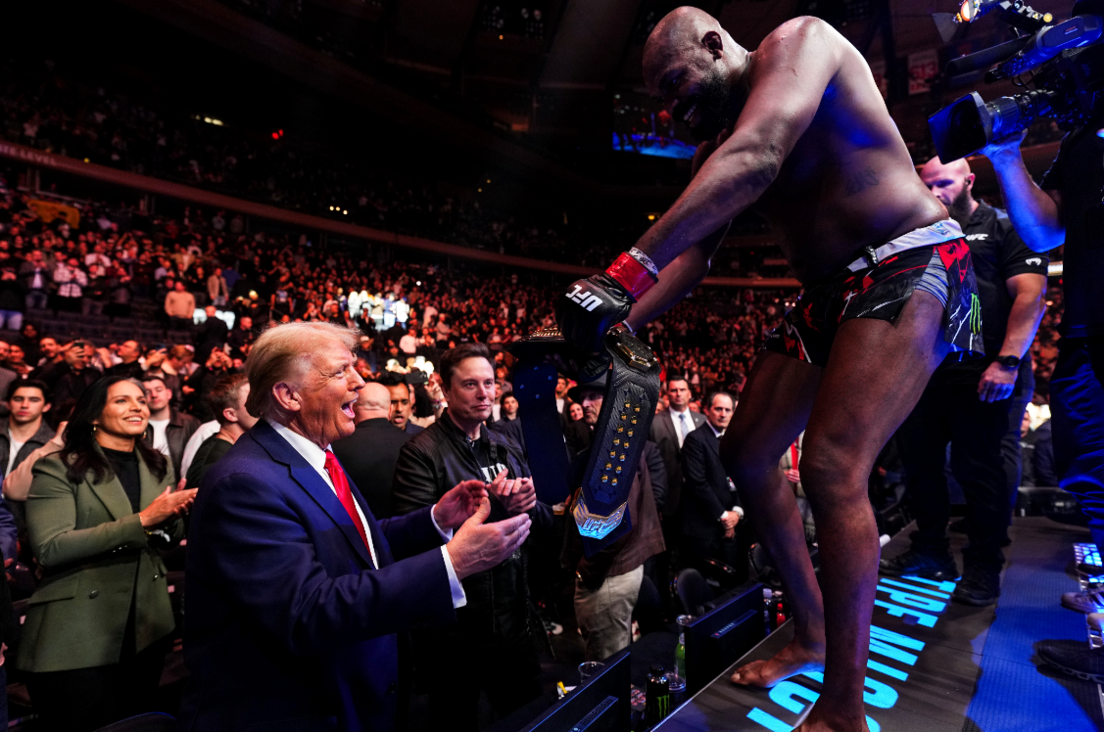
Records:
x=341, y=486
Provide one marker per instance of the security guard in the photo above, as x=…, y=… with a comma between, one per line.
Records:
x=975, y=405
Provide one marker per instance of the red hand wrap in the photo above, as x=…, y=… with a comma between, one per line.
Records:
x=631, y=275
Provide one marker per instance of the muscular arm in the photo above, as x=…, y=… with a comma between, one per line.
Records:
x=676, y=280
x=787, y=80
x=1036, y=214
x=1023, y=320
x=1028, y=307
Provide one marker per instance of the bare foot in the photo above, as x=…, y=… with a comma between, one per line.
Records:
x=792, y=660
x=820, y=725
x=823, y=727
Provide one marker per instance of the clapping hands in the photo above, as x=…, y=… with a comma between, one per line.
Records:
x=459, y=504
x=517, y=495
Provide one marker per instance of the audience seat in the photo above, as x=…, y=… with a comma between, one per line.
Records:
x=693, y=591
x=716, y=571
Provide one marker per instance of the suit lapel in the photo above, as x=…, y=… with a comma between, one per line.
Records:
x=383, y=551
x=111, y=494
x=310, y=481
x=149, y=486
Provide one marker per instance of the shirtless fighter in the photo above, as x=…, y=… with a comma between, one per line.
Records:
x=797, y=130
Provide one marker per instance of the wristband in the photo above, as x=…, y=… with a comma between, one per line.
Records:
x=632, y=275
x=645, y=260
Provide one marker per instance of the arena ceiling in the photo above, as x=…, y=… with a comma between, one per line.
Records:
x=545, y=77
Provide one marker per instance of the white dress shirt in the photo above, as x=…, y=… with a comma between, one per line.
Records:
x=316, y=458
x=684, y=424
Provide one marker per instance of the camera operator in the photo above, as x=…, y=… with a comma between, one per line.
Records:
x=974, y=404
x=1066, y=207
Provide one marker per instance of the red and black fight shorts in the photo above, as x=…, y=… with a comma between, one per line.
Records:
x=881, y=291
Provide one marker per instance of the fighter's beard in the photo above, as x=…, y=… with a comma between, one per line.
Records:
x=717, y=109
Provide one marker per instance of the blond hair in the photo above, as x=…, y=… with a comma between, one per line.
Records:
x=284, y=352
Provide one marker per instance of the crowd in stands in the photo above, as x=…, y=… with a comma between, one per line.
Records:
x=64, y=288
x=42, y=109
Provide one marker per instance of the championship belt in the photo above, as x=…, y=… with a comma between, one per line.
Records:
x=601, y=510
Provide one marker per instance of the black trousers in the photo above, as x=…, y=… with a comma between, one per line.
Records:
x=1077, y=408
x=1010, y=445
x=975, y=430
x=90, y=698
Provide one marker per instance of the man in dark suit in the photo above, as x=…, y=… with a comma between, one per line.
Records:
x=370, y=453
x=711, y=508
x=402, y=403
x=669, y=431
x=295, y=597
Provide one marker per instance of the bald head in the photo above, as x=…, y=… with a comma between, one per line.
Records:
x=373, y=402
x=693, y=65
x=952, y=183
x=958, y=168
x=682, y=27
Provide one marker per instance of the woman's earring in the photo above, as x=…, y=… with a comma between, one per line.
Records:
x=94, y=429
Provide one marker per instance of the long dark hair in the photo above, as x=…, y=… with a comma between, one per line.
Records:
x=80, y=454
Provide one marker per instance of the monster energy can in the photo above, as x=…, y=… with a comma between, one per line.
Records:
x=658, y=697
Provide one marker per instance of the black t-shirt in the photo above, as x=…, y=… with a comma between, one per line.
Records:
x=1078, y=174
x=125, y=466
x=210, y=452
x=998, y=254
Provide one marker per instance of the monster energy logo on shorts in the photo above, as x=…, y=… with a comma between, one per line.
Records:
x=975, y=313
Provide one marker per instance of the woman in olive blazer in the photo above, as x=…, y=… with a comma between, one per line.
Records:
x=98, y=628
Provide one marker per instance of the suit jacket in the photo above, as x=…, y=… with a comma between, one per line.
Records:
x=369, y=456
x=288, y=625
x=665, y=437
x=705, y=492
x=97, y=561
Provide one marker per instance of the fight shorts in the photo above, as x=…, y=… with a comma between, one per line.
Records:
x=934, y=259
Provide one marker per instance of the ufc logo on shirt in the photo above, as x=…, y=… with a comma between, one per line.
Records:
x=588, y=300
x=490, y=473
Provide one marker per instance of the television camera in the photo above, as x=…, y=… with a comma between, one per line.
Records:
x=1066, y=65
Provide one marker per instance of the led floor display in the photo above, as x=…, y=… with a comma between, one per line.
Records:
x=936, y=665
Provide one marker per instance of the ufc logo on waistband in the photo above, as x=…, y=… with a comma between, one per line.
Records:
x=587, y=299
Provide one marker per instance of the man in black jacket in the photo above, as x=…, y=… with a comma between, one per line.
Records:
x=711, y=508
x=369, y=454
x=169, y=429
x=129, y=366
x=212, y=334
x=974, y=404
x=493, y=640
x=21, y=433
x=75, y=373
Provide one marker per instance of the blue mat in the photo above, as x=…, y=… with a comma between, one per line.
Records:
x=1015, y=691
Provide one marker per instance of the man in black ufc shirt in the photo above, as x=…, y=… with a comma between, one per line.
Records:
x=975, y=404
